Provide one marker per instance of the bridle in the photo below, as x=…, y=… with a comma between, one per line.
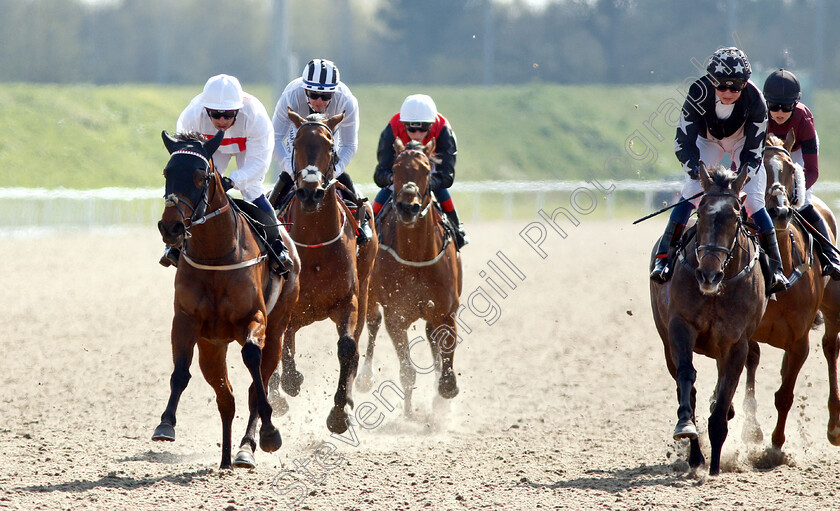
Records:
x=722, y=254
x=411, y=187
x=312, y=171
x=199, y=212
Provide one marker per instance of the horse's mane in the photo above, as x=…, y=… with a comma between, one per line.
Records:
x=316, y=117
x=190, y=136
x=773, y=140
x=418, y=146
x=722, y=176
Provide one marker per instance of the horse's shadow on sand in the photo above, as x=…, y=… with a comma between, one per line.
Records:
x=621, y=480
x=126, y=482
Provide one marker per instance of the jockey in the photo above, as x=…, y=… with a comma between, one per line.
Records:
x=318, y=90
x=249, y=137
x=782, y=93
x=418, y=119
x=723, y=113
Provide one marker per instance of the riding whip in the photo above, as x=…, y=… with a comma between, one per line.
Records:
x=814, y=232
x=666, y=208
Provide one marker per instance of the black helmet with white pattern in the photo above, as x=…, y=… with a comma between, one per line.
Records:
x=729, y=64
x=320, y=75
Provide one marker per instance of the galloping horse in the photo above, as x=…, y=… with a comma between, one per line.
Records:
x=787, y=322
x=224, y=292
x=711, y=306
x=334, y=273
x=417, y=276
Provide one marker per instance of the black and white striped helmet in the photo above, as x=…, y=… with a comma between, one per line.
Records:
x=320, y=75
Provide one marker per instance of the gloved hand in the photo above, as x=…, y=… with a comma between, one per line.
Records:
x=227, y=184
x=694, y=173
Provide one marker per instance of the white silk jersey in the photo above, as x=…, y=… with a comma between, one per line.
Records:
x=250, y=139
x=346, y=136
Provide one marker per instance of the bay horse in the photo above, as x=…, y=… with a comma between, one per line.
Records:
x=788, y=321
x=711, y=306
x=334, y=271
x=418, y=274
x=224, y=292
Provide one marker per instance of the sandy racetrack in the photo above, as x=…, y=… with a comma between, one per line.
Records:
x=565, y=400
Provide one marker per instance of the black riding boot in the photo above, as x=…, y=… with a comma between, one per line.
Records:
x=673, y=231
x=828, y=254
x=461, y=237
x=281, y=189
x=365, y=232
x=282, y=253
x=770, y=245
x=170, y=257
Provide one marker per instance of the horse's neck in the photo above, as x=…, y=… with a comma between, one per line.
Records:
x=421, y=242
x=218, y=236
x=313, y=227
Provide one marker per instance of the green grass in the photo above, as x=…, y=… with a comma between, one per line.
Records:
x=92, y=137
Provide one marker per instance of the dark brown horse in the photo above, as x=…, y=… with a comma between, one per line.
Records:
x=334, y=274
x=224, y=292
x=787, y=322
x=711, y=306
x=417, y=274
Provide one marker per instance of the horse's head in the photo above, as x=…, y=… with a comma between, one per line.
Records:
x=718, y=219
x=412, y=170
x=313, y=157
x=785, y=180
x=190, y=180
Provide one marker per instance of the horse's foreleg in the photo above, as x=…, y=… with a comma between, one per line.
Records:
x=364, y=381
x=212, y=360
x=183, y=344
x=396, y=327
x=348, y=360
x=443, y=339
x=831, y=349
x=729, y=372
x=791, y=365
x=270, y=439
x=752, y=430
x=291, y=379
x=682, y=338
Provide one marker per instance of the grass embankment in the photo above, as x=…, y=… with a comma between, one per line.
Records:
x=92, y=137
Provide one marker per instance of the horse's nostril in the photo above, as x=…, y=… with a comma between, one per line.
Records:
x=415, y=209
x=318, y=195
x=301, y=194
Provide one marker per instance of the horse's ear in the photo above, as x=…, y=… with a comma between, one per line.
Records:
x=741, y=179
x=168, y=141
x=429, y=148
x=790, y=139
x=333, y=121
x=211, y=145
x=398, y=146
x=703, y=173
x=295, y=118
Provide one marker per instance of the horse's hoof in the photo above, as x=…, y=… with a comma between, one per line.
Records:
x=685, y=430
x=279, y=405
x=291, y=382
x=364, y=381
x=337, y=421
x=447, y=387
x=270, y=439
x=244, y=459
x=834, y=435
x=164, y=432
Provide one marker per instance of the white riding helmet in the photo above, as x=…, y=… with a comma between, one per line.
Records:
x=222, y=92
x=418, y=108
x=320, y=75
